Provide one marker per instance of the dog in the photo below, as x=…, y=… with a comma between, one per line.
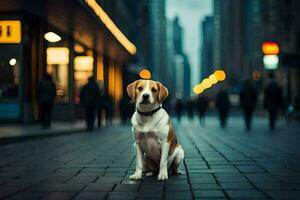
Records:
x=157, y=150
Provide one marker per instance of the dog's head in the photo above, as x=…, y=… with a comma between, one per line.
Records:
x=147, y=93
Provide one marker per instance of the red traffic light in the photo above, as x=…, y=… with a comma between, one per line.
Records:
x=270, y=48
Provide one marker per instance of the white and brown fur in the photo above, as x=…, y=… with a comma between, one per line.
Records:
x=157, y=150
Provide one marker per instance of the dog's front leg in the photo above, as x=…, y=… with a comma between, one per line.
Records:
x=139, y=164
x=163, y=167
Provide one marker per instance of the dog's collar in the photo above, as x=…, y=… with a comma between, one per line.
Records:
x=150, y=113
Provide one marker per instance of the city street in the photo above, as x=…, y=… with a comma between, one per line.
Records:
x=219, y=164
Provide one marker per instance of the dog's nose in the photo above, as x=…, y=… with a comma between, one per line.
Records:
x=145, y=96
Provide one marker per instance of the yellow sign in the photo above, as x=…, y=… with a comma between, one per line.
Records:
x=57, y=56
x=10, y=31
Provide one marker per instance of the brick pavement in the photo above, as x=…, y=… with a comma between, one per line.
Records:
x=219, y=164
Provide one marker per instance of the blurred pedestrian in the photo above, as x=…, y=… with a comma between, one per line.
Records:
x=273, y=100
x=190, y=108
x=248, y=99
x=223, y=106
x=179, y=108
x=46, y=96
x=108, y=108
x=202, y=105
x=101, y=104
x=89, y=97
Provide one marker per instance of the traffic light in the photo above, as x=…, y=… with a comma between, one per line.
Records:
x=270, y=51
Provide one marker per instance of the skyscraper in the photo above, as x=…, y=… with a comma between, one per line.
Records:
x=206, y=50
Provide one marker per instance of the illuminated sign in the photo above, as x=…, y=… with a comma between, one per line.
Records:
x=10, y=31
x=57, y=56
x=111, y=26
x=83, y=63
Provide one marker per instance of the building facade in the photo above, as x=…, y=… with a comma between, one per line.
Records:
x=86, y=47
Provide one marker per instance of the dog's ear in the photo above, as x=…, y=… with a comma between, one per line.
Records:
x=131, y=90
x=162, y=93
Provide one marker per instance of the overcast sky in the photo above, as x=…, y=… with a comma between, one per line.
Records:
x=191, y=13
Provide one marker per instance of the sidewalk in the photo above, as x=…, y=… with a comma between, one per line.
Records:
x=15, y=132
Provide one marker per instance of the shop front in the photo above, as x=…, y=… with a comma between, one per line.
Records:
x=32, y=44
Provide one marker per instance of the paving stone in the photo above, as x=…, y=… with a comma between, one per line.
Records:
x=122, y=196
x=236, y=185
x=209, y=194
x=91, y=196
x=27, y=196
x=67, y=187
x=178, y=187
x=58, y=195
x=126, y=188
x=98, y=187
x=178, y=195
x=205, y=186
x=284, y=194
x=242, y=194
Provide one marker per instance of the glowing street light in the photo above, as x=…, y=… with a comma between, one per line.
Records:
x=213, y=78
x=145, y=74
x=220, y=75
x=206, y=83
x=13, y=62
x=198, y=89
x=52, y=37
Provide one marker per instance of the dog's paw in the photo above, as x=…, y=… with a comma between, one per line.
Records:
x=149, y=174
x=162, y=176
x=177, y=172
x=135, y=176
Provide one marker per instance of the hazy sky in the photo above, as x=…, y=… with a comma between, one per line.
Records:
x=191, y=13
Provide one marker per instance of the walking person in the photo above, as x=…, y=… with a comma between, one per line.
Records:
x=202, y=104
x=248, y=99
x=223, y=106
x=179, y=108
x=46, y=96
x=273, y=100
x=90, y=97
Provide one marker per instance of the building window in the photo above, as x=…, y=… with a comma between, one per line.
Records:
x=58, y=67
x=83, y=69
x=9, y=72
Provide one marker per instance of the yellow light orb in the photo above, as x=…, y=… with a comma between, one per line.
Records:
x=213, y=78
x=145, y=74
x=198, y=89
x=220, y=75
x=206, y=83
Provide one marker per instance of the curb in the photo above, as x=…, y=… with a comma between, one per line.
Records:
x=9, y=140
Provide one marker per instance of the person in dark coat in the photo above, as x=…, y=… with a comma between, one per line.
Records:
x=202, y=105
x=46, y=96
x=190, y=108
x=223, y=106
x=90, y=97
x=248, y=99
x=179, y=108
x=273, y=100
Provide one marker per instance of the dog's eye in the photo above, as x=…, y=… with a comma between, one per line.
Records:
x=140, y=88
x=154, y=90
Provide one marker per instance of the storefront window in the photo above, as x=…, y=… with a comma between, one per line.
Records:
x=83, y=69
x=57, y=66
x=9, y=72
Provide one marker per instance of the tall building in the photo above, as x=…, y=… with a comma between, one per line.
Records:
x=182, y=66
x=154, y=11
x=228, y=33
x=206, y=50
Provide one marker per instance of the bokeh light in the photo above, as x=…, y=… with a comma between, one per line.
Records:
x=198, y=89
x=213, y=79
x=220, y=75
x=145, y=74
x=206, y=83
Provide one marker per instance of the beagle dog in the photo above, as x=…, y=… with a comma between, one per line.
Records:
x=157, y=150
